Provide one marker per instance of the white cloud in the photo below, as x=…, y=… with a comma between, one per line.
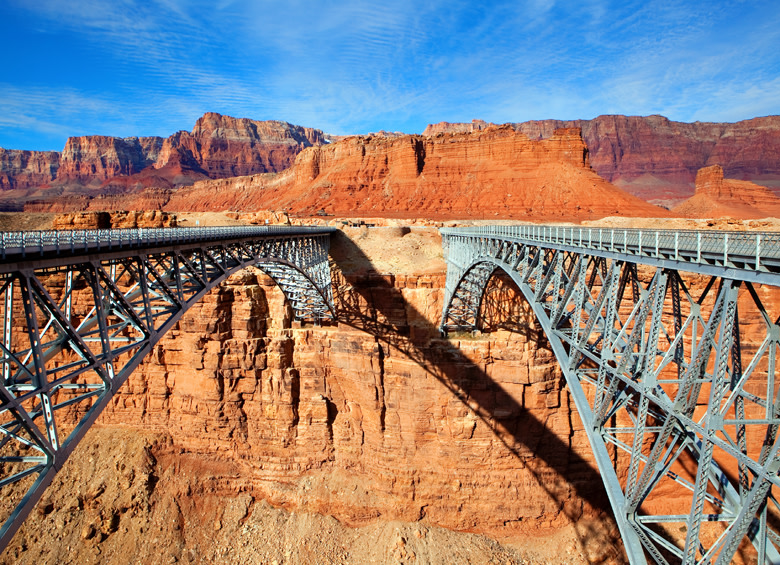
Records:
x=351, y=67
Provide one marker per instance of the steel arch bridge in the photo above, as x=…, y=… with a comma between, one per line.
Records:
x=669, y=349
x=81, y=309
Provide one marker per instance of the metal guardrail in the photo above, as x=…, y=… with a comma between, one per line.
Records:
x=750, y=250
x=23, y=244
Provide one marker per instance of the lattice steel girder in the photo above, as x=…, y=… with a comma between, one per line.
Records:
x=76, y=325
x=685, y=435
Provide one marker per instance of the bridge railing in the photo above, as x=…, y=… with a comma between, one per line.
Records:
x=750, y=250
x=23, y=244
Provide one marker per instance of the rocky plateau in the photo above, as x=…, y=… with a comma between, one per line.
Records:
x=497, y=173
x=657, y=159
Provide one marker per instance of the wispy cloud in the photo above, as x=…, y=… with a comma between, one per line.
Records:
x=350, y=67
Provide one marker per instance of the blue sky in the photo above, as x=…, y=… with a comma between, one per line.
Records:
x=152, y=67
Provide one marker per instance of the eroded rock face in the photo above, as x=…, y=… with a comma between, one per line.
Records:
x=90, y=160
x=656, y=158
x=230, y=147
x=485, y=174
x=23, y=169
x=720, y=197
x=116, y=220
x=218, y=146
x=375, y=418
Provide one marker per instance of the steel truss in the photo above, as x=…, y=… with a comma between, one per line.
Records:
x=76, y=325
x=672, y=373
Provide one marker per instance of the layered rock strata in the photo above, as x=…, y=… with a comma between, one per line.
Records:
x=717, y=197
x=91, y=160
x=21, y=169
x=218, y=146
x=656, y=158
x=486, y=174
x=115, y=220
x=650, y=156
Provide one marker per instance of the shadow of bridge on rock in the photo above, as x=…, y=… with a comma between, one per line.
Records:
x=370, y=302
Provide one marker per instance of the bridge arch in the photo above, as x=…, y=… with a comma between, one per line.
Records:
x=653, y=360
x=472, y=302
x=83, y=309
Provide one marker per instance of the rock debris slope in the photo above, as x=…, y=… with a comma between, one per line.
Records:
x=717, y=197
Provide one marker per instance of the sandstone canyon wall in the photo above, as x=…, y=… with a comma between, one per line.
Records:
x=656, y=158
x=373, y=420
x=490, y=174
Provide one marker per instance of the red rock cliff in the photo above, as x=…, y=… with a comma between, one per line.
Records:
x=492, y=173
x=657, y=159
x=230, y=147
x=90, y=160
x=719, y=197
x=218, y=146
x=23, y=169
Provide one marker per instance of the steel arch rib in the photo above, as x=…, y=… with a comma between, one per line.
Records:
x=54, y=357
x=599, y=448
x=628, y=364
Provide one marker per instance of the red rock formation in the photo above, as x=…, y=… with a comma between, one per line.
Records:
x=116, y=220
x=492, y=173
x=651, y=157
x=457, y=127
x=657, y=159
x=23, y=169
x=230, y=147
x=218, y=146
x=90, y=160
x=718, y=197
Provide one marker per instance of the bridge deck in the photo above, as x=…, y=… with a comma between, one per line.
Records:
x=26, y=247
x=748, y=256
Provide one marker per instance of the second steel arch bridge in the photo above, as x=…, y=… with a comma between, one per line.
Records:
x=669, y=342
